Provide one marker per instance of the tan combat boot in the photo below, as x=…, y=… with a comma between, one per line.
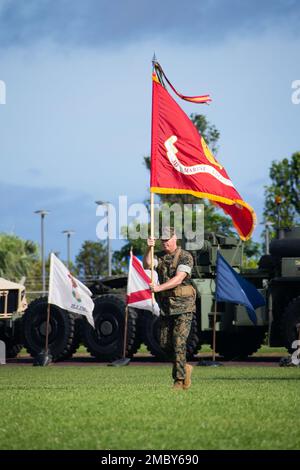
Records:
x=178, y=385
x=188, y=377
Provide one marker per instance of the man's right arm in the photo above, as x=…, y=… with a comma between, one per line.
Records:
x=147, y=255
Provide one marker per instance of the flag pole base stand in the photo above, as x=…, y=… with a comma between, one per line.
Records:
x=205, y=363
x=120, y=362
x=43, y=359
x=287, y=362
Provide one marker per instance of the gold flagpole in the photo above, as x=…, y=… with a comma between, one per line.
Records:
x=157, y=69
x=152, y=236
x=154, y=62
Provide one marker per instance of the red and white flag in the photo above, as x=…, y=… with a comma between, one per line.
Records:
x=138, y=291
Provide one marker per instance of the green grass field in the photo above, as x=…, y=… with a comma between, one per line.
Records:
x=204, y=349
x=134, y=407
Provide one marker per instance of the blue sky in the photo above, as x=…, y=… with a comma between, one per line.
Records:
x=76, y=122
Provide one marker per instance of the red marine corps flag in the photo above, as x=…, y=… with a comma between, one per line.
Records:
x=182, y=163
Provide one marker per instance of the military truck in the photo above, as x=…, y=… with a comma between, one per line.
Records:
x=12, y=306
x=236, y=336
x=277, y=278
x=68, y=330
x=280, y=270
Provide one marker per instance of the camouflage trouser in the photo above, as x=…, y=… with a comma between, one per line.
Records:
x=174, y=333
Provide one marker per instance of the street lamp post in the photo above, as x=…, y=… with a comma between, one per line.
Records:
x=68, y=233
x=267, y=237
x=267, y=225
x=109, y=251
x=43, y=213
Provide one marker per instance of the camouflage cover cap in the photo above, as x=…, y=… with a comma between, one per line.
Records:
x=167, y=233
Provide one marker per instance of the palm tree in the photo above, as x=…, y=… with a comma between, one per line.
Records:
x=17, y=257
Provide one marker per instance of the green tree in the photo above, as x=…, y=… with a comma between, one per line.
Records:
x=282, y=196
x=34, y=279
x=92, y=259
x=208, y=131
x=138, y=246
x=17, y=257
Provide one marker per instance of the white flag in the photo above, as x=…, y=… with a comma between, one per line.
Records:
x=67, y=292
x=138, y=290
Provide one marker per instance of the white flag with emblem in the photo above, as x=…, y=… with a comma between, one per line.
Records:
x=67, y=292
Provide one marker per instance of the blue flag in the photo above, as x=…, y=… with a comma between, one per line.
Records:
x=231, y=287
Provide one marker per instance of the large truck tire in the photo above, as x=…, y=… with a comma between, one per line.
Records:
x=61, y=329
x=150, y=331
x=77, y=340
x=12, y=347
x=12, y=338
x=137, y=340
x=238, y=345
x=289, y=323
x=106, y=340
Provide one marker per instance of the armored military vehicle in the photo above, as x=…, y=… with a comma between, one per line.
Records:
x=277, y=278
x=12, y=306
x=236, y=336
x=68, y=330
x=280, y=270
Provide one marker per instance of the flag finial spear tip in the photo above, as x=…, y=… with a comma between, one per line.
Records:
x=154, y=60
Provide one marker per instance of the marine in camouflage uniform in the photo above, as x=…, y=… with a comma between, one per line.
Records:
x=177, y=308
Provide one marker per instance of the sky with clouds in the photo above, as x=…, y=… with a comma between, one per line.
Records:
x=76, y=123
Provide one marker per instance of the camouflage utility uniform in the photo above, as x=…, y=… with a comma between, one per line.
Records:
x=177, y=308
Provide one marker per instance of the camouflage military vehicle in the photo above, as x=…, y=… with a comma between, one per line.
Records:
x=280, y=270
x=12, y=306
x=68, y=330
x=236, y=336
x=277, y=278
